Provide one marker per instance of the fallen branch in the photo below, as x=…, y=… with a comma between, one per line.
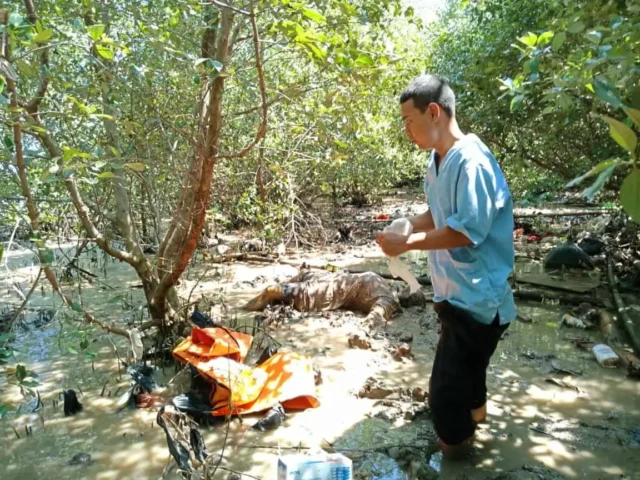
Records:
x=26, y=299
x=625, y=319
x=564, y=298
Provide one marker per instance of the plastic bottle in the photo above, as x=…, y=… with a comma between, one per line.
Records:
x=402, y=226
x=606, y=356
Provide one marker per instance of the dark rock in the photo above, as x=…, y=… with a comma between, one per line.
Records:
x=375, y=390
x=419, y=394
x=415, y=299
x=568, y=255
x=406, y=338
x=80, y=459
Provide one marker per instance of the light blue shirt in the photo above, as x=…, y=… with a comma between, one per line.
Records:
x=469, y=193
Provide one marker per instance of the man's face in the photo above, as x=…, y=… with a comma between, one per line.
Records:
x=421, y=127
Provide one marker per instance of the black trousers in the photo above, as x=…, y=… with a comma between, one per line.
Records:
x=458, y=378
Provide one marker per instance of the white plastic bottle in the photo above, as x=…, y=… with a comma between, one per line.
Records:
x=402, y=226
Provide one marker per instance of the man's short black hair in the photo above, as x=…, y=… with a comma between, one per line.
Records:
x=427, y=89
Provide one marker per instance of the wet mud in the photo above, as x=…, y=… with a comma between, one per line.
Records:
x=543, y=422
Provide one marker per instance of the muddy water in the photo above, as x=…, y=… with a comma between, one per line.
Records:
x=589, y=433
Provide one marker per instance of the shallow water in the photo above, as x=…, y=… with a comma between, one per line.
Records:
x=129, y=445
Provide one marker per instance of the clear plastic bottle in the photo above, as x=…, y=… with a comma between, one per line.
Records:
x=397, y=268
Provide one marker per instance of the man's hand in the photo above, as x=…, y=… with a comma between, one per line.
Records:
x=392, y=244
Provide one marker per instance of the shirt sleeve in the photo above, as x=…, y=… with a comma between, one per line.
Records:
x=475, y=205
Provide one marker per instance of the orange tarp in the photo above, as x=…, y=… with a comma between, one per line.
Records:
x=216, y=353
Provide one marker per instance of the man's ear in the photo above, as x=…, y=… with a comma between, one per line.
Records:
x=434, y=111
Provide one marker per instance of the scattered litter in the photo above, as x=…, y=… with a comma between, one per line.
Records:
x=321, y=466
x=591, y=246
x=605, y=356
x=562, y=384
x=576, y=322
x=582, y=342
x=272, y=419
x=568, y=255
x=136, y=343
x=266, y=354
x=559, y=369
x=71, y=403
x=178, y=448
x=202, y=320
x=633, y=371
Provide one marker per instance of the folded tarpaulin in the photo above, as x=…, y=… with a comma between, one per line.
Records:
x=217, y=353
x=206, y=343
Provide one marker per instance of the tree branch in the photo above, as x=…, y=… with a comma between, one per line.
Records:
x=44, y=61
x=262, y=130
x=26, y=192
x=225, y=5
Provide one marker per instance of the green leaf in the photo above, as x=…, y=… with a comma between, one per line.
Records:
x=595, y=170
x=72, y=350
x=5, y=337
x=590, y=192
x=47, y=255
x=136, y=167
x=545, y=38
x=606, y=92
x=1, y=251
x=215, y=64
x=632, y=112
x=529, y=39
x=1, y=84
x=77, y=307
x=15, y=19
x=623, y=135
x=3, y=411
x=314, y=15
x=576, y=27
x=558, y=41
x=630, y=194
x=515, y=102
x=116, y=299
x=340, y=143
x=104, y=52
x=103, y=116
x=90, y=355
x=29, y=383
x=364, y=59
x=106, y=175
x=95, y=32
x=21, y=372
x=43, y=36
x=594, y=37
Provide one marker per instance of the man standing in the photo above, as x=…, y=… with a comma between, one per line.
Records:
x=468, y=231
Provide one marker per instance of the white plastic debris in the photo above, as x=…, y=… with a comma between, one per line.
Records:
x=606, y=356
x=397, y=268
x=136, y=343
x=320, y=466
